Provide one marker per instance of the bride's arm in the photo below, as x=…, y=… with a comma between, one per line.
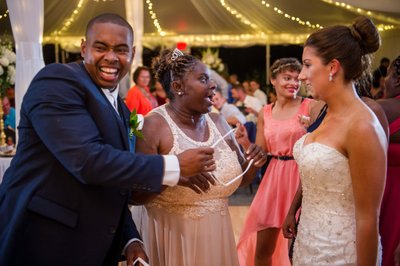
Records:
x=366, y=147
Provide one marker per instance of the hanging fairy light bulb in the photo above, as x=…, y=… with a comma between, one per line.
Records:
x=238, y=15
x=153, y=16
x=368, y=13
x=291, y=17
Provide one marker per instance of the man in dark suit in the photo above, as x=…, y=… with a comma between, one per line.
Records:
x=63, y=200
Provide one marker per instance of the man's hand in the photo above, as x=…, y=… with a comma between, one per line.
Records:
x=133, y=251
x=194, y=165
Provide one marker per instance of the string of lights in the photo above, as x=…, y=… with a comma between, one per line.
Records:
x=71, y=19
x=153, y=16
x=290, y=17
x=4, y=15
x=238, y=15
x=371, y=14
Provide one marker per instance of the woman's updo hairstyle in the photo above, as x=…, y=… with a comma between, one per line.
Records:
x=285, y=64
x=170, y=66
x=351, y=45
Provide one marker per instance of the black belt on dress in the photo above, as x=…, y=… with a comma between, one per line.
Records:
x=282, y=158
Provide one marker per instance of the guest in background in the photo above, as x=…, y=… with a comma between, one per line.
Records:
x=233, y=79
x=248, y=105
x=378, y=77
x=271, y=95
x=160, y=94
x=10, y=93
x=139, y=96
x=247, y=88
x=257, y=92
x=229, y=111
x=183, y=227
x=9, y=119
x=278, y=128
x=390, y=215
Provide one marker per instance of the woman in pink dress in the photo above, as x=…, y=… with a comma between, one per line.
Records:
x=390, y=215
x=278, y=128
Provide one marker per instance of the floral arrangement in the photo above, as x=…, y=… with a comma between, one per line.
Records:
x=7, y=67
x=212, y=60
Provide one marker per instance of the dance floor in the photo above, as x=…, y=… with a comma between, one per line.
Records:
x=238, y=214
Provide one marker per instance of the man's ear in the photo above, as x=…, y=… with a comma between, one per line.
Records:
x=83, y=48
x=133, y=53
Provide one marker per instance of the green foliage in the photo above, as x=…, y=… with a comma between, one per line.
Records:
x=134, y=125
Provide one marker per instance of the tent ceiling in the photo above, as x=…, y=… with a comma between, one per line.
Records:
x=208, y=22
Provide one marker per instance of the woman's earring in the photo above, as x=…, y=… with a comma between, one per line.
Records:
x=330, y=77
x=180, y=93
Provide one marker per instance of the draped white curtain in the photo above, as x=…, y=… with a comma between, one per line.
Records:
x=26, y=18
x=134, y=15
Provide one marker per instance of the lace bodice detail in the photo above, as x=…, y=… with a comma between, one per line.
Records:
x=327, y=222
x=183, y=200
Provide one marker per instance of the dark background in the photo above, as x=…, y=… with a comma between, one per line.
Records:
x=246, y=62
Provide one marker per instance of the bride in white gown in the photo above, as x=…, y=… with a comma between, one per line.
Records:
x=343, y=162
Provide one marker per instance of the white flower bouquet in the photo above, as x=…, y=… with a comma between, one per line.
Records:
x=7, y=67
x=212, y=60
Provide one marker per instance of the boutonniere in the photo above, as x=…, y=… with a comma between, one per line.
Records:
x=136, y=124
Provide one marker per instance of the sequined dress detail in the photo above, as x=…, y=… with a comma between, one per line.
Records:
x=327, y=228
x=186, y=228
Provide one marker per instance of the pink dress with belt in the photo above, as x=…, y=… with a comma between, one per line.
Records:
x=278, y=186
x=390, y=215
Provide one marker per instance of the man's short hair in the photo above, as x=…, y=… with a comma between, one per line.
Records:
x=238, y=87
x=108, y=18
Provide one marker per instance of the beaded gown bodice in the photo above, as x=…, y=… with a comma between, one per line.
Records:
x=183, y=200
x=327, y=223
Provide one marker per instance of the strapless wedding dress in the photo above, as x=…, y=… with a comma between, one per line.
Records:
x=327, y=228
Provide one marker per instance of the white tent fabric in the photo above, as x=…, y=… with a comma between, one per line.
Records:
x=28, y=35
x=197, y=23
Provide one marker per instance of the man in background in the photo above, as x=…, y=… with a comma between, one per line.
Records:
x=378, y=78
x=9, y=119
x=229, y=111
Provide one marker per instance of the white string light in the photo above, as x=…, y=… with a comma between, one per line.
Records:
x=290, y=17
x=72, y=43
x=4, y=15
x=71, y=19
x=357, y=10
x=153, y=16
x=238, y=15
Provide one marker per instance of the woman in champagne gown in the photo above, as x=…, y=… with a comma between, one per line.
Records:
x=343, y=162
x=184, y=227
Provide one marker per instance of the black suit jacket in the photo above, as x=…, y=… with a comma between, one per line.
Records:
x=63, y=200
